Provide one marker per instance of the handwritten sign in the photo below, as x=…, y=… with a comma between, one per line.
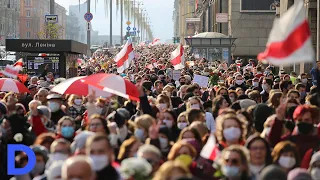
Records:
x=176, y=74
x=202, y=81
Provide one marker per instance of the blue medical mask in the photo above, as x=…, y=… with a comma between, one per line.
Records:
x=67, y=132
x=139, y=133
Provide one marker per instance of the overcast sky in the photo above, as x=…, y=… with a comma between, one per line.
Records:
x=159, y=11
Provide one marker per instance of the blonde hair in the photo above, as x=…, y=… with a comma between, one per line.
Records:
x=220, y=121
x=196, y=98
x=177, y=146
x=185, y=115
x=144, y=121
x=166, y=170
x=72, y=98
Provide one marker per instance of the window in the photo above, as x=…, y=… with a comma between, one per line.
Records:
x=28, y=35
x=257, y=5
x=28, y=13
x=27, y=2
x=28, y=24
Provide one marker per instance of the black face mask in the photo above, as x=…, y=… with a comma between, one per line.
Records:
x=304, y=128
x=182, y=83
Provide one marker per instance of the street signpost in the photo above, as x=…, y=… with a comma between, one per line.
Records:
x=88, y=26
x=128, y=28
x=222, y=17
x=134, y=28
x=51, y=18
x=138, y=31
x=132, y=33
x=128, y=23
x=88, y=16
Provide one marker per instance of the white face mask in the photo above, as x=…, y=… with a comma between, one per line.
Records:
x=255, y=84
x=232, y=133
x=195, y=106
x=315, y=173
x=78, y=102
x=206, y=73
x=163, y=142
x=114, y=140
x=287, y=162
x=168, y=123
x=53, y=106
x=123, y=132
x=162, y=107
x=232, y=99
x=239, y=82
x=182, y=125
x=58, y=156
x=304, y=81
x=99, y=162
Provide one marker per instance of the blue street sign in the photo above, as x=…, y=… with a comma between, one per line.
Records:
x=132, y=33
x=128, y=28
x=88, y=17
x=134, y=28
x=138, y=31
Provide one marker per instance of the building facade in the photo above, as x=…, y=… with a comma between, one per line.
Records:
x=78, y=12
x=32, y=18
x=9, y=20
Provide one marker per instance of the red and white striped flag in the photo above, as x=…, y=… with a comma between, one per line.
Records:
x=290, y=39
x=155, y=41
x=177, y=58
x=19, y=64
x=10, y=71
x=210, y=150
x=124, y=57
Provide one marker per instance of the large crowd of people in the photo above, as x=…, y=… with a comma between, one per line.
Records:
x=254, y=121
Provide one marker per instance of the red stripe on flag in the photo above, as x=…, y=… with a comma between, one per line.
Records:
x=285, y=48
x=213, y=154
x=125, y=57
x=177, y=60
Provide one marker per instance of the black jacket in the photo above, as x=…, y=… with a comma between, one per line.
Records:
x=109, y=173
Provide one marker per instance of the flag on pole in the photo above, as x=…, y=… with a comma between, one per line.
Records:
x=177, y=58
x=124, y=57
x=210, y=150
x=10, y=71
x=19, y=64
x=290, y=38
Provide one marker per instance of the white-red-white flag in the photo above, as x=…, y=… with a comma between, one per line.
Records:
x=124, y=57
x=210, y=150
x=19, y=64
x=155, y=41
x=177, y=58
x=10, y=71
x=290, y=38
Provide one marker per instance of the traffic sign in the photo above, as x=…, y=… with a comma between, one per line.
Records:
x=132, y=33
x=88, y=16
x=51, y=18
x=128, y=23
x=88, y=26
x=138, y=31
x=134, y=28
x=128, y=28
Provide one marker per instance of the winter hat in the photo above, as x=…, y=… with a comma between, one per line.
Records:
x=44, y=110
x=124, y=112
x=165, y=130
x=260, y=114
x=17, y=123
x=41, y=150
x=245, y=103
x=273, y=172
x=299, y=174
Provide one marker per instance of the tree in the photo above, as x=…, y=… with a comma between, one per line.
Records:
x=51, y=31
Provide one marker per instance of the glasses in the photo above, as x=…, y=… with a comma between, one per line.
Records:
x=95, y=125
x=232, y=161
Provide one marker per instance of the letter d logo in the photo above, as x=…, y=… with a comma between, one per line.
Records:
x=12, y=170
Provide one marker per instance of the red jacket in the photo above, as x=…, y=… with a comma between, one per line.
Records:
x=37, y=125
x=303, y=142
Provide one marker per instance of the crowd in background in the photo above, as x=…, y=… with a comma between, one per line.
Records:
x=264, y=123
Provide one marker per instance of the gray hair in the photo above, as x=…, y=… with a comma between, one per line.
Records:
x=147, y=148
x=73, y=160
x=34, y=102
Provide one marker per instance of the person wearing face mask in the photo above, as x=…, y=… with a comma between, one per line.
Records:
x=66, y=128
x=314, y=167
x=78, y=168
x=235, y=163
x=304, y=81
x=10, y=100
x=55, y=170
x=55, y=106
x=229, y=131
x=143, y=123
x=239, y=83
x=59, y=151
x=76, y=108
x=41, y=160
x=285, y=154
x=99, y=149
x=266, y=87
x=304, y=135
x=182, y=121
